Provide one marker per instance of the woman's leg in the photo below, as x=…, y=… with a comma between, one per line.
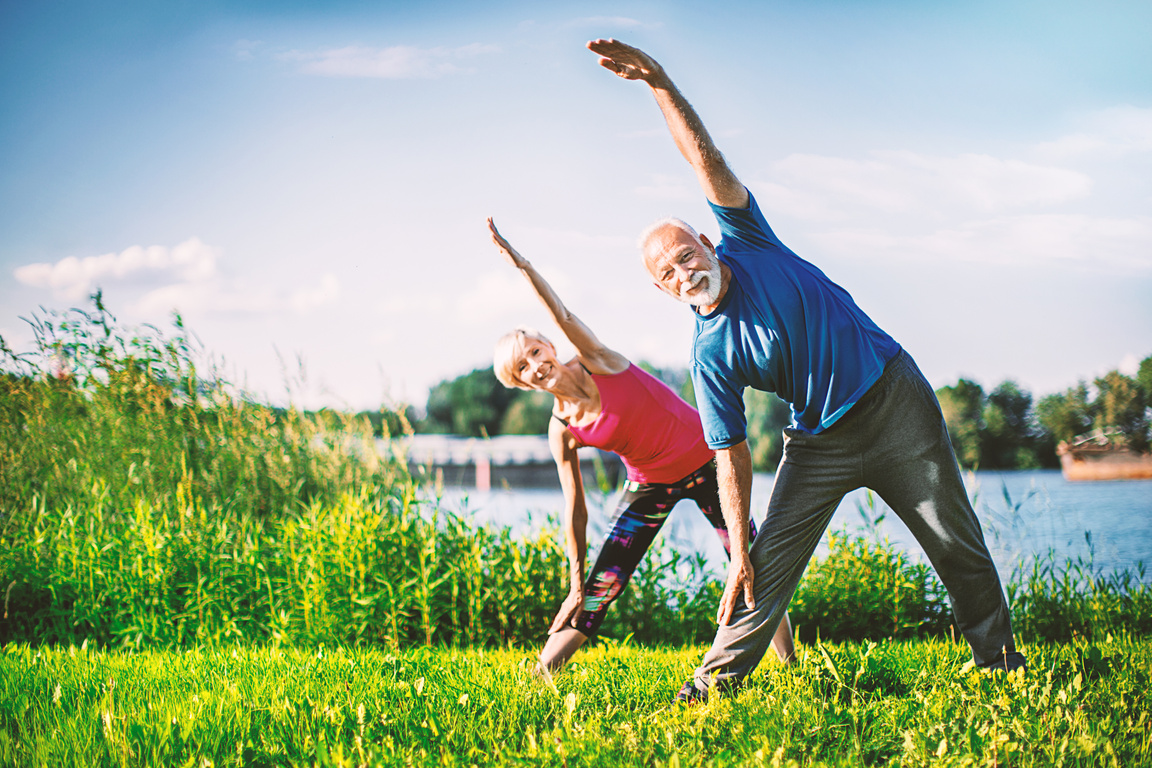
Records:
x=560, y=647
x=704, y=490
x=782, y=641
x=639, y=516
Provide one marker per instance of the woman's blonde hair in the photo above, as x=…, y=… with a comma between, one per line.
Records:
x=509, y=350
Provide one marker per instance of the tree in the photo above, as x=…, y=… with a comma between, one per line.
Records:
x=1120, y=405
x=1144, y=379
x=1066, y=415
x=677, y=379
x=528, y=414
x=963, y=407
x=1007, y=441
x=767, y=416
x=472, y=404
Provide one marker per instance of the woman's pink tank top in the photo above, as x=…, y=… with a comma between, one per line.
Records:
x=657, y=434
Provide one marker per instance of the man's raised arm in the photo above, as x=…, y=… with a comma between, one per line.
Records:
x=692, y=139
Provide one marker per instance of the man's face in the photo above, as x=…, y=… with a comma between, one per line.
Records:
x=684, y=267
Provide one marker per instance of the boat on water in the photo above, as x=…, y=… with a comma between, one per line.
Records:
x=1101, y=455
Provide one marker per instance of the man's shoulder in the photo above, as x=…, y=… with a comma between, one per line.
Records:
x=746, y=229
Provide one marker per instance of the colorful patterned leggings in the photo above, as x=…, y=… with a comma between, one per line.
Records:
x=641, y=513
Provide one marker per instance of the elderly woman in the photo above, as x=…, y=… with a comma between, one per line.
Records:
x=603, y=400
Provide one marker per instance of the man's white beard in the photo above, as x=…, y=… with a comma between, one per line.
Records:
x=711, y=292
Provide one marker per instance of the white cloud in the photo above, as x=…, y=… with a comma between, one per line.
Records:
x=1111, y=133
x=1129, y=364
x=185, y=278
x=73, y=278
x=666, y=187
x=816, y=187
x=400, y=62
x=1026, y=239
x=212, y=297
x=497, y=296
x=609, y=21
x=245, y=50
x=326, y=292
x=968, y=207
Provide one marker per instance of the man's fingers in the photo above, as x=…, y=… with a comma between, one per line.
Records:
x=601, y=45
x=727, y=605
x=726, y=613
x=618, y=57
x=749, y=597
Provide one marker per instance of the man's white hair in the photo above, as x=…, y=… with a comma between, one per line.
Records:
x=659, y=226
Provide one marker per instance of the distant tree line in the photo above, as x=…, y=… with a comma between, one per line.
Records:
x=1004, y=429
x=1000, y=429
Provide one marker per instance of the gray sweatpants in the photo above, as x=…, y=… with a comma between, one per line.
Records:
x=893, y=441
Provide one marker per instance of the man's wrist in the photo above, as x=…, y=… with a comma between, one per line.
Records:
x=658, y=80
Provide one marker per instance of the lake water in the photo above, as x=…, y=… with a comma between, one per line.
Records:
x=1024, y=514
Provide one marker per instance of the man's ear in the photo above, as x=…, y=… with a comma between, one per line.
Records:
x=704, y=239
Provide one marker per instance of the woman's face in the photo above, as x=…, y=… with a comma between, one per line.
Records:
x=537, y=367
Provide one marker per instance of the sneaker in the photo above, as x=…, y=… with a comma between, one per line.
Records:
x=1007, y=662
x=690, y=694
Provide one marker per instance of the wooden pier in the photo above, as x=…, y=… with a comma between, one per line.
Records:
x=507, y=461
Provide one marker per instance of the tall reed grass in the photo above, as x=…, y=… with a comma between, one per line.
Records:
x=144, y=503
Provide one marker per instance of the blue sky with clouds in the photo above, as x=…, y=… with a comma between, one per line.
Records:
x=309, y=181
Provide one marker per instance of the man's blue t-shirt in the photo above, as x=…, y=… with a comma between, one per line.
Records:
x=782, y=327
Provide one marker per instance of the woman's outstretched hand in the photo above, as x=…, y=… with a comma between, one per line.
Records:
x=510, y=253
x=573, y=605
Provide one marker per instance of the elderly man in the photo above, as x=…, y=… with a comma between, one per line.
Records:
x=862, y=413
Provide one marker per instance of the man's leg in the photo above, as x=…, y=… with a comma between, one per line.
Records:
x=815, y=473
x=913, y=468
x=705, y=491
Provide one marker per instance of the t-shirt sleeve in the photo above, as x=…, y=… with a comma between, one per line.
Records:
x=746, y=225
x=721, y=405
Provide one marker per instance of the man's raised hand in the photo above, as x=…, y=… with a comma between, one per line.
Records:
x=717, y=180
x=627, y=62
x=510, y=253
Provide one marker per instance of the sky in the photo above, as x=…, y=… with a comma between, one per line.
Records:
x=307, y=183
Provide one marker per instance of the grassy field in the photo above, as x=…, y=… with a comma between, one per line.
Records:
x=913, y=702
x=192, y=578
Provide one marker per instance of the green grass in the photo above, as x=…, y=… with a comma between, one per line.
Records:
x=191, y=578
x=911, y=703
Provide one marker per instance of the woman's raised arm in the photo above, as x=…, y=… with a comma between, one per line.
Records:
x=597, y=357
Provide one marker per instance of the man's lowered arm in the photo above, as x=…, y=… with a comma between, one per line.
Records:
x=734, y=473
